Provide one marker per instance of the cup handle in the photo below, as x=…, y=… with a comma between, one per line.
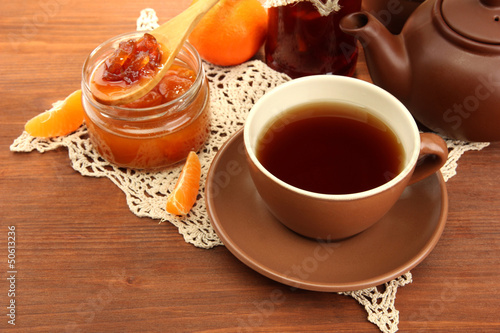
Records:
x=433, y=155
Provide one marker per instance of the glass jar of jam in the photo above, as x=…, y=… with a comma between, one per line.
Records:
x=302, y=42
x=161, y=128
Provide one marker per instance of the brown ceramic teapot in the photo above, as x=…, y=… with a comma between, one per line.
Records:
x=444, y=65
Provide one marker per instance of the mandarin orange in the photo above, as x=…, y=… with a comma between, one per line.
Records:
x=185, y=192
x=231, y=32
x=62, y=119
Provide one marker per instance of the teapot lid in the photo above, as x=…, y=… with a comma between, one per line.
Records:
x=478, y=20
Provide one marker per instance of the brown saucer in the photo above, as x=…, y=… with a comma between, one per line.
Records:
x=393, y=246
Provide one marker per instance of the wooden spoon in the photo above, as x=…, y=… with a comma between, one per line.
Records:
x=171, y=37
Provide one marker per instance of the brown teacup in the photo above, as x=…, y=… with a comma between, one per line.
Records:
x=348, y=115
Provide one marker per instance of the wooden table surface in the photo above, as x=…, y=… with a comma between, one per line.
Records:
x=85, y=263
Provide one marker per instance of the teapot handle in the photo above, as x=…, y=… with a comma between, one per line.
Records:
x=433, y=155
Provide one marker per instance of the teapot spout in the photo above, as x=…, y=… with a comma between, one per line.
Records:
x=385, y=53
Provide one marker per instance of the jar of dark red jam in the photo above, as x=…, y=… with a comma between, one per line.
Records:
x=301, y=41
x=142, y=136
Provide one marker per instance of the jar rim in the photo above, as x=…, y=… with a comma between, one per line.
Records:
x=140, y=114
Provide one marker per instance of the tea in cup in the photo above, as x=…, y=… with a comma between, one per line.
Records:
x=330, y=155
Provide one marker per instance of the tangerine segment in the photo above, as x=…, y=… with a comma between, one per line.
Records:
x=62, y=119
x=183, y=197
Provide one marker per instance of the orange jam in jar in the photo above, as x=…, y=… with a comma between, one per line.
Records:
x=160, y=128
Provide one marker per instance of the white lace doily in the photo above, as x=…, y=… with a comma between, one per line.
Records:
x=233, y=92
